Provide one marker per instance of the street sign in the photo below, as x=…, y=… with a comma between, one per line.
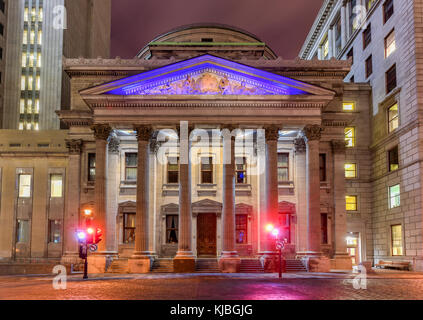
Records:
x=93, y=248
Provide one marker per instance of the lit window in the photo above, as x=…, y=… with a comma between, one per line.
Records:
x=393, y=159
x=33, y=15
x=21, y=125
x=241, y=170
x=26, y=15
x=28, y=126
x=390, y=45
x=172, y=229
x=131, y=165
x=55, y=231
x=25, y=37
x=207, y=170
x=56, y=186
x=369, y=4
x=39, y=60
x=29, y=106
x=40, y=36
x=38, y=83
x=32, y=37
x=350, y=170
x=348, y=106
x=350, y=137
x=22, y=106
x=351, y=203
x=37, y=126
x=23, y=82
x=129, y=227
x=37, y=106
x=22, y=231
x=40, y=14
x=393, y=119
x=172, y=170
x=24, y=59
x=396, y=236
x=394, y=196
x=24, y=186
x=283, y=167
x=325, y=49
x=241, y=222
x=30, y=82
x=91, y=167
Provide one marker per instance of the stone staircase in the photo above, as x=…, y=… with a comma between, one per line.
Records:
x=207, y=266
x=118, y=266
x=250, y=266
x=162, y=266
x=294, y=265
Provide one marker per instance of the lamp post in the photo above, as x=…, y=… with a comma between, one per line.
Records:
x=279, y=242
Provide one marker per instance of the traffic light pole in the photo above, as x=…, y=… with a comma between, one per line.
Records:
x=280, y=263
x=86, y=267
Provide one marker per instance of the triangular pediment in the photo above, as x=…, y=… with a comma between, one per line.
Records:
x=207, y=75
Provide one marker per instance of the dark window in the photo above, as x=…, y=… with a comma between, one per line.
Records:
x=2, y=5
x=131, y=165
x=55, y=231
x=129, y=227
x=393, y=159
x=207, y=170
x=241, y=170
x=388, y=10
x=171, y=229
x=338, y=38
x=241, y=222
x=1, y=53
x=91, y=167
x=283, y=167
x=350, y=54
x=322, y=166
x=172, y=170
x=206, y=39
x=352, y=80
x=324, y=225
x=367, y=36
x=391, y=79
x=1, y=28
x=369, y=66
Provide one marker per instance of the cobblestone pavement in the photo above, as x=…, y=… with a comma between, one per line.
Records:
x=391, y=286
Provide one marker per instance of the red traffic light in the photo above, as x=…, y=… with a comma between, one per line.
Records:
x=98, y=235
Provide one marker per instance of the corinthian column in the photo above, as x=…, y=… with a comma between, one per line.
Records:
x=300, y=174
x=140, y=261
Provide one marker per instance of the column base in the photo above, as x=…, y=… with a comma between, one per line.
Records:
x=139, y=264
x=99, y=263
x=184, y=262
x=341, y=262
x=317, y=263
x=228, y=264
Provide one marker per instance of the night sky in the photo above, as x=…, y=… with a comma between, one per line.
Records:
x=282, y=24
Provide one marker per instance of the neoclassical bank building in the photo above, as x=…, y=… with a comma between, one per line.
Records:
x=186, y=153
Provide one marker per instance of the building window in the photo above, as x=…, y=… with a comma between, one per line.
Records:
x=393, y=159
x=283, y=167
x=348, y=106
x=129, y=227
x=369, y=4
x=351, y=203
x=350, y=55
x=241, y=222
x=324, y=225
x=171, y=229
x=350, y=137
x=367, y=36
x=207, y=170
x=396, y=237
x=353, y=23
x=394, y=196
x=338, y=39
x=91, y=167
x=172, y=170
x=390, y=45
x=391, y=79
x=322, y=166
x=388, y=10
x=131, y=165
x=24, y=186
x=325, y=49
x=285, y=223
x=393, y=118
x=22, y=231
x=350, y=170
x=55, y=231
x=241, y=170
x=56, y=186
x=369, y=66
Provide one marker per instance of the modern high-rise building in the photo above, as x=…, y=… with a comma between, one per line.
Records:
x=383, y=40
x=39, y=34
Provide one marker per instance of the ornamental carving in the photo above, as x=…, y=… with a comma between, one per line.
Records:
x=339, y=146
x=300, y=145
x=74, y=146
x=313, y=132
x=101, y=131
x=144, y=133
x=114, y=143
x=272, y=133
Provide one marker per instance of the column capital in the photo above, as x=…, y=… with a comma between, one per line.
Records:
x=191, y=128
x=300, y=145
x=339, y=146
x=101, y=131
x=312, y=132
x=144, y=132
x=272, y=133
x=114, y=143
x=74, y=146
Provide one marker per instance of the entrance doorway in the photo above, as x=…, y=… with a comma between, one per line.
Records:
x=353, y=247
x=206, y=234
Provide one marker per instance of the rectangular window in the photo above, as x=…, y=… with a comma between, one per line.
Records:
x=369, y=66
x=391, y=79
x=324, y=225
x=369, y=4
x=24, y=186
x=350, y=137
x=322, y=166
x=350, y=55
x=350, y=170
x=393, y=118
x=396, y=237
x=325, y=49
x=283, y=167
x=352, y=18
x=55, y=231
x=351, y=203
x=56, y=186
x=172, y=170
x=394, y=196
x=390, y=45
x=348, y=106
x=22, y=231
x=172, y=228
x=91, y=167
x=393, y=159
x=207, y=170
x=388, y=10
x=131, y=165
x=241, y=170
x=129, y=227
x=367, y=36
x=338, y=40
x=241, y=222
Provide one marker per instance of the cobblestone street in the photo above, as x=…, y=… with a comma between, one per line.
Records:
x=390, y=286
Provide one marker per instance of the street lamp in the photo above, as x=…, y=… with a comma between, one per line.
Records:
x=280, y=244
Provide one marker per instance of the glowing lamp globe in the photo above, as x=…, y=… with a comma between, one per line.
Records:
x=90, y=230
x=270, y=227
x=275, y=232
x=81, y=235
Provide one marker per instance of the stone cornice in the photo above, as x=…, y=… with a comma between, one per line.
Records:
x=75, y=118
